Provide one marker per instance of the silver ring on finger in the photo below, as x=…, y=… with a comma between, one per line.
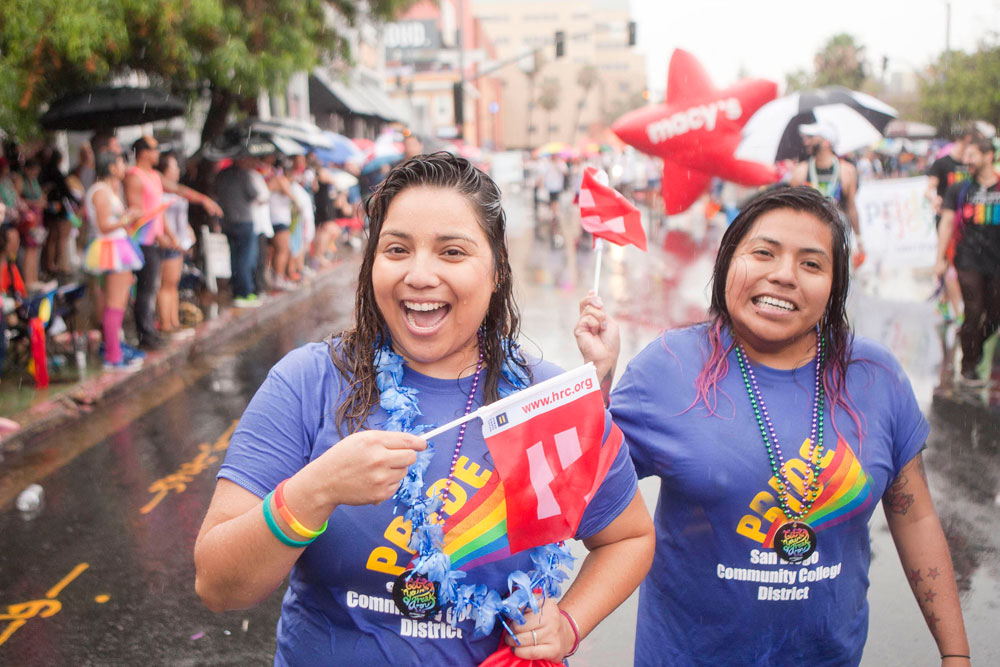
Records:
x=534, y=638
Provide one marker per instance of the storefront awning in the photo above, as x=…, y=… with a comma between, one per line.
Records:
x=330, y=93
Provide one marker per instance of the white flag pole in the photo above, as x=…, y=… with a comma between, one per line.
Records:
x=597, y=263
x=450, y=425
x=539, y=388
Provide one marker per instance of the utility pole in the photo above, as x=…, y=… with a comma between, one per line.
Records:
x=947, y=27
x=460, y=95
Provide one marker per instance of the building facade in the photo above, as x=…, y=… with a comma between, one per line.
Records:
x=573, y=97
x=427, y=50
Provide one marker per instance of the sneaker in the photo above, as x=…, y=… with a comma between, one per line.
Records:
x=122, y=365
x=283, y=284
x=180, y=334
x=246, y=302
x=944, y=310
x=971, y=381
x=132, y=356
x=152, y=342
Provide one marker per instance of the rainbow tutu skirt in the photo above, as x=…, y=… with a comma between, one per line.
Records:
x=106, y=255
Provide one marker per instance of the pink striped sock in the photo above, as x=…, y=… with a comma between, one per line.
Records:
x=111, y=325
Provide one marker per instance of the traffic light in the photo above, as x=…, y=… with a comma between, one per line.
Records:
x=458, y=100
x=631, y=33
x=560, y=43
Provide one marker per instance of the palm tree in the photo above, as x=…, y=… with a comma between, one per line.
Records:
x=548, y=99
x=841, y=62
x=538, y=61
x=585, y=78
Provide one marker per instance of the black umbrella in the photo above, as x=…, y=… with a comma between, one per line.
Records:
x=772, y=134
x=106, y=108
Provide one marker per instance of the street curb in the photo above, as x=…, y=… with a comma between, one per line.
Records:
x=60, y=411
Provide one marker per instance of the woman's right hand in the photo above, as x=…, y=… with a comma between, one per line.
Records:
x=132, y=214
x=597, y=336
x=365, y=468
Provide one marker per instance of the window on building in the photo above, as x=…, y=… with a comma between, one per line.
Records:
x=444, y=110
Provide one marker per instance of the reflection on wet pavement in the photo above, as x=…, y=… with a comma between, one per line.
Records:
x=135, y=600
x=668, y=287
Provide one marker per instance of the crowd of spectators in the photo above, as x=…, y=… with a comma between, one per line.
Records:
x=283, y=217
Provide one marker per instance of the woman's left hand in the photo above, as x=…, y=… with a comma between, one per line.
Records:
x=597, y=337
x=543, y=636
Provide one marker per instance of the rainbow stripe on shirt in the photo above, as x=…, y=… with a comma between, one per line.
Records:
x=845, y=492
x=980, y=206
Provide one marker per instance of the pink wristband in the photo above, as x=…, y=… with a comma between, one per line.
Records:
x=576, y=632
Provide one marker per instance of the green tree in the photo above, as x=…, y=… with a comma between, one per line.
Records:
x=548, y=99
x=841, y=62
x=961, y=87
x=537, y=63
x=798, y=80
x=231, y=49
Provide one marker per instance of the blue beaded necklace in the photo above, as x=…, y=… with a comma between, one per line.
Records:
x=431, y=583
x=794, y=540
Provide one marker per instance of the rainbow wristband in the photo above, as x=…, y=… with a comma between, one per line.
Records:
x=293, y=523
x=576, y=632
x=276, y=530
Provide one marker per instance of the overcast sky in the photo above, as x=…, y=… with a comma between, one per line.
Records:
x=768, y=38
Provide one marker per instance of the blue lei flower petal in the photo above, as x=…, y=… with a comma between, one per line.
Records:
x=475, y=602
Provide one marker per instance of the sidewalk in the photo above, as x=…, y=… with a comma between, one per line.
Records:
x=58, y=406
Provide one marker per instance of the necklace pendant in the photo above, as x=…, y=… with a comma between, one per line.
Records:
x=795, y=541
x=415, y=595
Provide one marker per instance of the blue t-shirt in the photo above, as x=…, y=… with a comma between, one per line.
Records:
x=717, y=593
x=339, y=600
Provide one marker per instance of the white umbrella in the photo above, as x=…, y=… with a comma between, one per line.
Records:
x=910, y=129
x=342, y=180
x=772, y=134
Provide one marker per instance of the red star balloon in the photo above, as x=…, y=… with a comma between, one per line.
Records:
x=696, y=131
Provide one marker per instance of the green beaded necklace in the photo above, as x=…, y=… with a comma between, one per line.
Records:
x=774, y=448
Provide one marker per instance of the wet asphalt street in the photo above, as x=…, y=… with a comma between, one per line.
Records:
x=103, y=574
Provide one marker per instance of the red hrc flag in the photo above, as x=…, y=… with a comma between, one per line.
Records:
x=552, y=445
x=605, y=213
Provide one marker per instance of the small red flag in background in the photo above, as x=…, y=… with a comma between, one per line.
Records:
x=605, y=213
x=553, y=445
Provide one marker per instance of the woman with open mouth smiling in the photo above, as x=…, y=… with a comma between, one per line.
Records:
x=775, y=432
x=335, y=426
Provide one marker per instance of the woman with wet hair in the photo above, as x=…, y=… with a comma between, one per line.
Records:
x=307, y=487
x=774, y=432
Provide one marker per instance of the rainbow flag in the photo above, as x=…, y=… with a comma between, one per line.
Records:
x=845, y=492
x=146, y=229
x=477, y=533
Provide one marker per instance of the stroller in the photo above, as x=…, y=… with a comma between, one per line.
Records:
x=28, y=329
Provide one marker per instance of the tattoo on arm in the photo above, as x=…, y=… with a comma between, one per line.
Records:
x=896, y=498
x=606, y=386
x=924, y=594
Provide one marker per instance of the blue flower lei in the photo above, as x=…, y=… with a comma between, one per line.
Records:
x=485, y=606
